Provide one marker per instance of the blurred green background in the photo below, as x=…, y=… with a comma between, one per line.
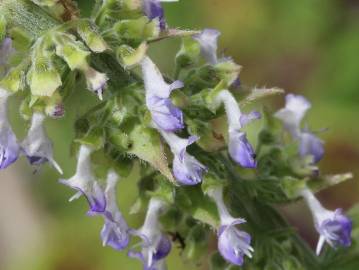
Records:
x=308, y=47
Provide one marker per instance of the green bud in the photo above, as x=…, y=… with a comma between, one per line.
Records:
x=119, y=139
x=133, y=32
x=164, y=189
x=91, y=37
x=43, y=78
x=189, y=53
x=228, y=71
x=292, y=186
x=73, y=52
x=129, y=57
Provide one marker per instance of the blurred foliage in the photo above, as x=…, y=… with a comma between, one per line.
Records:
x=304, y=46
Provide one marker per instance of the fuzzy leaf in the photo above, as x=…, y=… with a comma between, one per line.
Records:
x=259, y=93
x=148, y=147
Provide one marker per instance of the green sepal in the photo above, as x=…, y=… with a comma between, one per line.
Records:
x=211, y=133
x=92, y=38
x=43, y=78
x=15, y=80
x=164, y=190
x=147, y=146
x=192, y=201
x=21, y=39
x=119, y=139
x=172, y=219
x=292, y=186
x=228, y=71
x=213, y=93
x=129, y=57
x=73, y=52
x=94, y=138
x=196, y=242
x=188, y=54
x=134, y=32
x=211, y=181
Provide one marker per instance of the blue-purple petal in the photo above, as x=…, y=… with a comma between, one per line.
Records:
x=9, y=148
x=337, y=230
x=234, y=244
x=167, y=116
x=311, y=145
x=153, y=9
x=241, y=150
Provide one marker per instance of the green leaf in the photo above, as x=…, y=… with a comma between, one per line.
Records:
x=148, y=147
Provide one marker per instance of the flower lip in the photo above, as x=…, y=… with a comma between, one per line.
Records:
x=336, y=230
x=233, y=243
x=165, y=114
x=241, y=150
x=309, y=144
x=115, y=232
x=93, y=194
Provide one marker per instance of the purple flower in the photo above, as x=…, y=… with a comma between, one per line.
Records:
x=233, y=243
x=311, y=145
x=153, y=9
x=186, y=169
x=293, y=113
x=37, y=146
x=84, y=183
x=166, y=116
x=115, y=230
x=291, y=116
x=335, y=230
x=9, y=148
x=239, y=148
x=208, y=41
x=155, y=246
x=333, y=226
